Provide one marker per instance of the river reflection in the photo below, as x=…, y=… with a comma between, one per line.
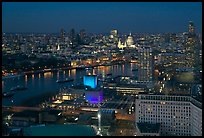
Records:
x=40, y=83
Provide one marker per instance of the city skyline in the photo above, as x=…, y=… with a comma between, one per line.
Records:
x=100, y=17
x=102, y=69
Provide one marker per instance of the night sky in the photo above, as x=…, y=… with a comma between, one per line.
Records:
x=101, y=17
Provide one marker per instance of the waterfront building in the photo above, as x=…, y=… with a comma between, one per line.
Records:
x=177, y=115
x=90, y=80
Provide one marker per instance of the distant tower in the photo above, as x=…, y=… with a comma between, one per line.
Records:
x=72, y=35
x=191, y=28
x=82, y=35
x=114, y=35
x=62, y=34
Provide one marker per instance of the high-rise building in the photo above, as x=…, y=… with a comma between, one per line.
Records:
x=72, y=35
x=114, y=35
x=192, y=48
x=177, y=115
x=191, y=28
x=62, y=35
x=82, y=35
x=146, y=64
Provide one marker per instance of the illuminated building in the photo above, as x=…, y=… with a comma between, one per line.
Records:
x=120, y=45
x=192, y=51
x=114, y=35
x=94, y=97
x=91, y=81
x=177, y=115
x=58, y=47
x=130, y=89
x=130, y=40
x=146, y=66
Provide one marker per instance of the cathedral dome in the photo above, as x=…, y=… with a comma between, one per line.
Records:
x=130, y=40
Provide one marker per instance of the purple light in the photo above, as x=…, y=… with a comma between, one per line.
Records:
x=93, y=96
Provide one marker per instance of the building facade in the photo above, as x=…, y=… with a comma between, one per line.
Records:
x=177, y=115
x=146, y=66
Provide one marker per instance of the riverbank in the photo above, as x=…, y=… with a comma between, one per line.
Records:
x=61, y=68
x=34, y=101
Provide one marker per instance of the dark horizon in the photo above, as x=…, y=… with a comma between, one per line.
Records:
x=101, y=17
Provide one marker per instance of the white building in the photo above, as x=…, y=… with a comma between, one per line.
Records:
x=178, y=115
x=130, y=40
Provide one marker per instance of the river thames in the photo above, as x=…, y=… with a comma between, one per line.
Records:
x=45, y=83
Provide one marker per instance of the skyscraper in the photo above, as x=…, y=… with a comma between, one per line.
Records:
x=62, y=35
x=114, y=35
x=192, y=48
x=145, y=70
x=191, y=28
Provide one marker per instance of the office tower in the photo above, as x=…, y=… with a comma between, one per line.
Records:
x=194, y=51
x=62, y=35
x=82, y=35
x=191, y=28
x=114, y=35
x=146, y=66
x=192, y=48
x=72, y=35
x=177, y=115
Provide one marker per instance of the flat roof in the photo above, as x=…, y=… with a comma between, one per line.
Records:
x=59, y=130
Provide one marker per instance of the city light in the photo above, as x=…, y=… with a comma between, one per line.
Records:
x=137, y=78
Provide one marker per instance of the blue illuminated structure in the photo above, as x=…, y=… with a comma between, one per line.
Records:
x=94, y=97
x=90, y=80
